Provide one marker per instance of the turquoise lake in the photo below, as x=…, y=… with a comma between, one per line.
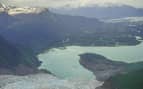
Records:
x=64, y=63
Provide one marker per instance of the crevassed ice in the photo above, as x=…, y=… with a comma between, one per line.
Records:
x=44, y=81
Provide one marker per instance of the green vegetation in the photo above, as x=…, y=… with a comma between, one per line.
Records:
x=131, y=80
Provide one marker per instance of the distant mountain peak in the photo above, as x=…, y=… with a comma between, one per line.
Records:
x=2, y=7
x=11, y=10
x=25, y=10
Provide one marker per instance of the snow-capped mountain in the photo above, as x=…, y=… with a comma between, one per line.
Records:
x=11, y=10
x=2, y=6
x=25, y=10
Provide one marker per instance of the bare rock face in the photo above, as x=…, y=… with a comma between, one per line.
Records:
x=102, y=67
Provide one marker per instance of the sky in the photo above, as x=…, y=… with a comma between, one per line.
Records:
x=72, y=3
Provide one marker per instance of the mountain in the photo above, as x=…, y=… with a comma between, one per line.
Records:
x=8, y=54
x=16, y=60
x=2, y=6
x=43, y=30
x=5, y=20
x=110, y=12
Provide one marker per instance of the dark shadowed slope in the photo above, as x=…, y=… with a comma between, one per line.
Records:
x=16, y=60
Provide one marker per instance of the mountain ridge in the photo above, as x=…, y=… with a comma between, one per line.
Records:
x=110, y=12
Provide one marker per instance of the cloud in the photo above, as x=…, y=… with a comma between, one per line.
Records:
x=71, y=3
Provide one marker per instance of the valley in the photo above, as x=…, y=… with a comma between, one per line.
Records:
x=40, y=49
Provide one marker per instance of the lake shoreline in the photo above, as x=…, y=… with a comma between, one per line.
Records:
x=102, y=67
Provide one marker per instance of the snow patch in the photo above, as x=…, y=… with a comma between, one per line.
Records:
x=11, y=10
x=25, y=10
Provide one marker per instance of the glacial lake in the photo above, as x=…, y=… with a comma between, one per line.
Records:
x=64, y=63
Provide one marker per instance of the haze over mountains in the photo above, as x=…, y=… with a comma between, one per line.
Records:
x=102, y=12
